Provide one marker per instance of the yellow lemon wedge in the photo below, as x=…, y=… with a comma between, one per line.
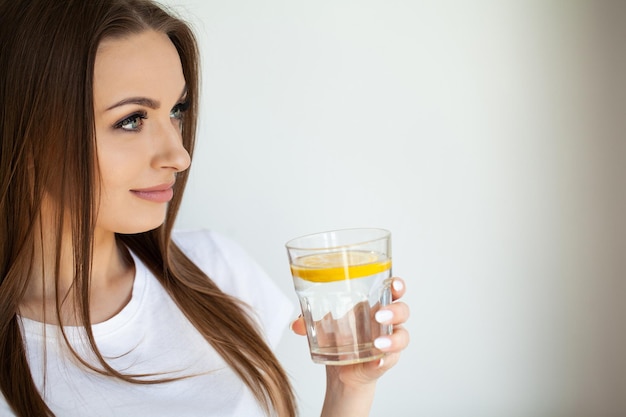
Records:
x=337, y=266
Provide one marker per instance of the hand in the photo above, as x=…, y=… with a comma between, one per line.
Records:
x=355, y=384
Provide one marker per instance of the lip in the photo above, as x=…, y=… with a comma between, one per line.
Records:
x=162, y=193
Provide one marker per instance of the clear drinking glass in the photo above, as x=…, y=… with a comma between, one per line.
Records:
x=342, y=278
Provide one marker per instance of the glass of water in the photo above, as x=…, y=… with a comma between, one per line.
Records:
x=342, y=278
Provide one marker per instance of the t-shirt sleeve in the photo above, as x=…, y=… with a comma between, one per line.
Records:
x=237, y=274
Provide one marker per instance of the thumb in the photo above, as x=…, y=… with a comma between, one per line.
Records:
x=298, y=326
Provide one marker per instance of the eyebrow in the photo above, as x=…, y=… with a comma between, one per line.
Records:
x=142, y=101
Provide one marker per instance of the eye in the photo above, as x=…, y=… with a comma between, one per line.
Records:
x=179, y=110
x=132, y=123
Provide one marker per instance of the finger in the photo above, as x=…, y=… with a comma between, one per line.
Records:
x=395, y=342
x=398, y=288
x=375, y=369
x=396, y=313
x=298, y=326
x=388, y=361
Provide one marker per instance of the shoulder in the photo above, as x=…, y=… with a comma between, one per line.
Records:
x=209, y=249
x=239, y=275
x=5, y=410
x=202, y=241
x=220, y=257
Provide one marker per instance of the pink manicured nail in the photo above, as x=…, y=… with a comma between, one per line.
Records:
x=383, y=316
x=382, y=343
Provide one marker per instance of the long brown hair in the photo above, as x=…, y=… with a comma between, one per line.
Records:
x=47, y=55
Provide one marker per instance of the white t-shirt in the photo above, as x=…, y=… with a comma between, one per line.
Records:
x=151, y=335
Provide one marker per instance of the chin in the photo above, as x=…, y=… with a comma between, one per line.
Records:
x=150, y=227
x=139, y=227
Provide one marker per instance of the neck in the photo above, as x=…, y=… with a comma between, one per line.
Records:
x=110, y=281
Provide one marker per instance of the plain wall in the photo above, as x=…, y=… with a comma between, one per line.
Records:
x=486, y=135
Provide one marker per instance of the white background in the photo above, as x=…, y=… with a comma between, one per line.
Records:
x=483, y=134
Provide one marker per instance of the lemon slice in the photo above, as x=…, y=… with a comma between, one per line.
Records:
x=337, y=266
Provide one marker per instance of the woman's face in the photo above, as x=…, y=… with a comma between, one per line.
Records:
x=139, y=101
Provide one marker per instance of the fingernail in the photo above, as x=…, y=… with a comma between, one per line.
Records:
x=381, y=362
x=397, y=285
x=382, y=343
x=383, y=316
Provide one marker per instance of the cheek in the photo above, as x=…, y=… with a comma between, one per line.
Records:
x=116, y=168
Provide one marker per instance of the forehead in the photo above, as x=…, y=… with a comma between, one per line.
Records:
x=144, y=64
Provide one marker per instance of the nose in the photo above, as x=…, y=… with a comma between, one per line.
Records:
x=169, y=150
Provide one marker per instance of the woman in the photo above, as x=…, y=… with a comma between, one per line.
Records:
x=103, y=310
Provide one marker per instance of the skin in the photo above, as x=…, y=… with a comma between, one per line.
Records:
x=138, y=83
